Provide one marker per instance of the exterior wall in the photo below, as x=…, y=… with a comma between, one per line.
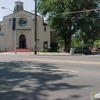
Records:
x=27, y=30
x=27, y=34
x=41, y=34
x=8, y=33
x=3, y=39
x=8, y=40
x=2, y=45
x=29, y=18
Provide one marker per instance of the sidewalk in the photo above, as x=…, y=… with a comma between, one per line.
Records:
x=46, y=53
x=39, y=53
x=13, y=53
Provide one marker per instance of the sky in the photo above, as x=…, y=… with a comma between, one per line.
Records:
x=29, y=5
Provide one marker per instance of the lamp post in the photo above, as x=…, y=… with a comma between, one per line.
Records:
x=15, y=27
x=35, y=43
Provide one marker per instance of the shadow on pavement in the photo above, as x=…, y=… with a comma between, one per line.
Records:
x=32, y=81
x=70, y=98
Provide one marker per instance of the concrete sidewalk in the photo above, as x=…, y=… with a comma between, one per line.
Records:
x=32, y=53
x=39, y=53
x=46, y=53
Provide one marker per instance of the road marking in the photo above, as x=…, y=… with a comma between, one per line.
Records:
x=64, y=61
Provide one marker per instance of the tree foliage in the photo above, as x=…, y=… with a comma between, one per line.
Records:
x=66, y=24
x=97, y=43
x=76, y=41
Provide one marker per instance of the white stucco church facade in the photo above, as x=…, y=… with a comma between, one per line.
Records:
x=25, y=27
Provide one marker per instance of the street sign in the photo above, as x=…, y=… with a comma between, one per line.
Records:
x=1, y=34
x=38, y=39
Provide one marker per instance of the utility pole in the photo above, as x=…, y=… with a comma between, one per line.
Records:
x=35, y=43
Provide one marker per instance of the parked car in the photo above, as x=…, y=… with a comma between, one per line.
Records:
x=83, y=49
x=77, y=50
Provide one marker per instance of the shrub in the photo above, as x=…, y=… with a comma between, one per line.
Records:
x=43, y=50
x=49, y=49
x=97, y=43
x=53, y=47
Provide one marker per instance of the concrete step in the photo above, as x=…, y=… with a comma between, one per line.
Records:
x=21, y=50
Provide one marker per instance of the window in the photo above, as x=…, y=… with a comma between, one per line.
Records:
x=44, y=28
x=0, y=28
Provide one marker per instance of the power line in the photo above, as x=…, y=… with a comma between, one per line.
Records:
x=76, y=17
x=56, y=17
x=70, y=13
x=77, y=12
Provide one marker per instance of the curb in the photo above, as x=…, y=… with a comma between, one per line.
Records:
x=40, y=54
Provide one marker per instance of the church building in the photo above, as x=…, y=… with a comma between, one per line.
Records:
x=24, y=35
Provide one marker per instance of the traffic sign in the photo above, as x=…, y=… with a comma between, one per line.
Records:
x=38, y=39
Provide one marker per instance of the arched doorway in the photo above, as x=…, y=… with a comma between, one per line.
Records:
x=22, y=41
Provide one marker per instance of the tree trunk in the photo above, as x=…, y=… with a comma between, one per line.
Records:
x=65, y=46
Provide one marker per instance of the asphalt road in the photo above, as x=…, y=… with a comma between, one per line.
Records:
x=45, y=77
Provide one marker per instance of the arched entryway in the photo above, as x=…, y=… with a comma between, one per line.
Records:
x=22, y=41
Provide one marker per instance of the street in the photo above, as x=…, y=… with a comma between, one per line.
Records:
x=49, y=77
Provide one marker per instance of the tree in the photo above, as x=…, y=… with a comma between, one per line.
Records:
x=66, y=24
x=60, y=43
x=97, y=43
x=90, y=28
x=76, y=41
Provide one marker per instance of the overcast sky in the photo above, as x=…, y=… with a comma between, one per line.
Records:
x=28, y=6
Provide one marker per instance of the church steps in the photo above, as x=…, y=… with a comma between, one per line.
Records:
x=21, y=50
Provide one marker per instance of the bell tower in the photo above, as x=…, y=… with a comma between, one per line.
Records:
x=18, y=6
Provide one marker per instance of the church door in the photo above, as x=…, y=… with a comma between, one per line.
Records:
x=22, y=41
